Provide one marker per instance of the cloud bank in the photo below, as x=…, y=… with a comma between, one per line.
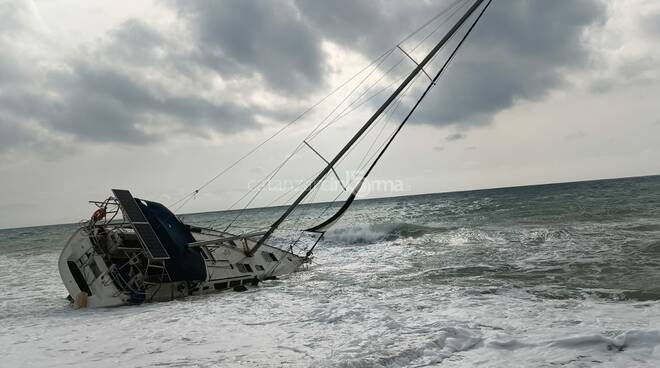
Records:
x=208, y=73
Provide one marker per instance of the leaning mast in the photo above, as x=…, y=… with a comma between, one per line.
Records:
x=364, y=128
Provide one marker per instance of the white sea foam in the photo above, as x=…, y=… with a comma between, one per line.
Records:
x=342, y=313
x=358, y=234
x=366, y=233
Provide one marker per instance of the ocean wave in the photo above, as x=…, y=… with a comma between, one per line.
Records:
x=640, y=295
x=543, y=235
x=642, y=227
x=616, y=341
x=372, y=233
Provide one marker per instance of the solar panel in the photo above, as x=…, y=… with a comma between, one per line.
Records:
x=143, y=229
x=129, y=205
x=150, y=240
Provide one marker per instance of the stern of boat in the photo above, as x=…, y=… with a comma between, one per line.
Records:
x=85, y=274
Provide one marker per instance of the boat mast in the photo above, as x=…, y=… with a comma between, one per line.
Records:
x=364, y=128
x=325, y=225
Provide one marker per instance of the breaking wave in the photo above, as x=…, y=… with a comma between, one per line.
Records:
x=373, y=233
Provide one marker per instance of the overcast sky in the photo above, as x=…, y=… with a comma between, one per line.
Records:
x=159, y=96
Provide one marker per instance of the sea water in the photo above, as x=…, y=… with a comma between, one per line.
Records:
x=561, y=275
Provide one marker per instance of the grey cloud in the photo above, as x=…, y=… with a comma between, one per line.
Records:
x=136, y=42
x=633, y=67
x=107, y=94
x=15, y=139
x=602, y=85
x=16, y=20
x=518, y=51
x=651, y=23
x=16, y=16
x=369, y=27
x=10, y=69
x=439, y=148
x=12, y=135
x=95, y=98
x=353, y=23
x=455, y=137
x=106, y=105
x=263, y=37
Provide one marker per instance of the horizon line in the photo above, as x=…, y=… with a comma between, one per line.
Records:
x=379, y=198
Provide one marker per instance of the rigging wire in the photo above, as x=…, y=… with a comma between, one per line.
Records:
x=269, y=177
x=316, y=173
x=381, y=151
x=361, y=167
x=266, y=180
x=391, y=114
x=271, y=137
x=194, y=193
x=419, y=100
x=315, y=131
x=388, y=115
x=443, y=12
x=385, y=144
x=344, y=113
x=399, y=100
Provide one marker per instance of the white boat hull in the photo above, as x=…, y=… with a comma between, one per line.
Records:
x=91, y=282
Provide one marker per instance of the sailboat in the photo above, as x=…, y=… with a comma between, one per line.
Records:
x=133, y=250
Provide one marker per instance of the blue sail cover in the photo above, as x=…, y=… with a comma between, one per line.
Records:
x=185, y=264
